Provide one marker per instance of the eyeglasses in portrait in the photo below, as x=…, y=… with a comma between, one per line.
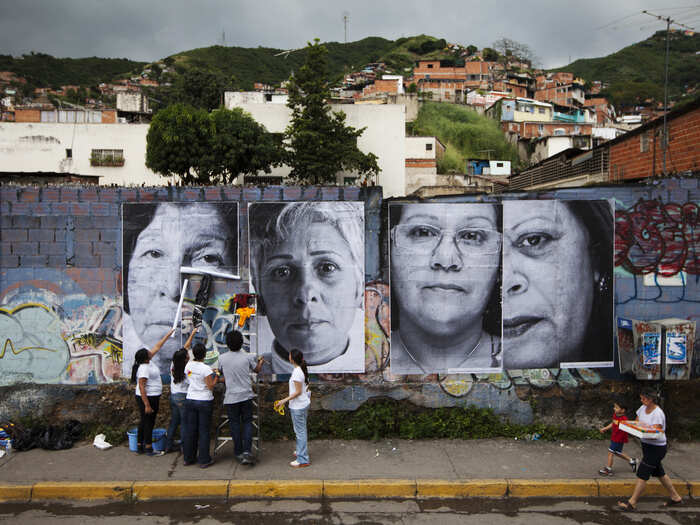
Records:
x=445, y=261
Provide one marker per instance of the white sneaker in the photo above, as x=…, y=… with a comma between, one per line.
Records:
x=296, y=464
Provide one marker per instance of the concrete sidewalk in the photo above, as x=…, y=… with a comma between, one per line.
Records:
x=388, y=468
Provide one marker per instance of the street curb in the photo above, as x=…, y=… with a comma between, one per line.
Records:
x=129, y=491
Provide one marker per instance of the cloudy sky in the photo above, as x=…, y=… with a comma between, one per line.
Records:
x=148, y=30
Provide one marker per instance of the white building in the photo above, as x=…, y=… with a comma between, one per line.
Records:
x=114, y=152
x=384, y=136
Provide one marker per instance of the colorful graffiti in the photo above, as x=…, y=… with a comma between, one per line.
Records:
x=42, y=343
x=652, y=237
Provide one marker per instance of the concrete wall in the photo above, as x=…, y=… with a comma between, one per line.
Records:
x=60, y=293
x=36, y=147
x=384, y=136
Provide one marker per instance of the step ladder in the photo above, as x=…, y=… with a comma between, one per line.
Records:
x=223, y=433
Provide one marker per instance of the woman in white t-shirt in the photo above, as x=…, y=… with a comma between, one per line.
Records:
x=199, y=405
x=178, y=392
x=653, y=451
x=299, y=400
x=148, y=389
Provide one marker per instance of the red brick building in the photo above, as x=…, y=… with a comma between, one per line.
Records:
x=638, y=154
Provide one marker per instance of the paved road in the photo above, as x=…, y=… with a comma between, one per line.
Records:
x=408, y=512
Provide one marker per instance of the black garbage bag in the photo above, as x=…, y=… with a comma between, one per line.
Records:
x=49, y=437
x=61, y=437
x=27, y=438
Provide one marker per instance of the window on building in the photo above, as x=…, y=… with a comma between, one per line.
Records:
x=644, y=142
x=499, y=164
x=541, y=110
x=430, y=66
x=107, y=157
x=428, y=147
x=69, y=153
x=268, y=97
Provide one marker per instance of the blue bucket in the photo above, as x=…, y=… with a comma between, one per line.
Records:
x=159, y=439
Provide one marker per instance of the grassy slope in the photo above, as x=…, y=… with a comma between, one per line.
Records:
x=465, y=133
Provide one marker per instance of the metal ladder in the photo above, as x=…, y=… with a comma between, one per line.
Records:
x=223, y=436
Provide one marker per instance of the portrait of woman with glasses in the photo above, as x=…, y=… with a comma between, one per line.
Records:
x=445, y=263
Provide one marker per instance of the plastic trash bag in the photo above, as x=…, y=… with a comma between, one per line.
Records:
x=100, y=442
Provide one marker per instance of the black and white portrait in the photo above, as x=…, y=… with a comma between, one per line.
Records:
x=307, y=268
x=445, y=278
x=557, y=284
x=159, y=238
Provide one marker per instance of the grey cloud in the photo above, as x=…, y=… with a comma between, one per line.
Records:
x=152, y=29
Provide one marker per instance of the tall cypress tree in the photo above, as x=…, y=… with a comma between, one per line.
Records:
x=318, y=143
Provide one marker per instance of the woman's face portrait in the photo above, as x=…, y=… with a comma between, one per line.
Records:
x=548, y=284
x=177, y=235
x=308, y=282
x=444, y=265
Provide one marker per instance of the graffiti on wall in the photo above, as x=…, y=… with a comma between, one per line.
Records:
x=48, y=338
x=652, y=237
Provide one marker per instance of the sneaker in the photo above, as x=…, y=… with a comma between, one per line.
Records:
x=154, y=453
x=633, y=464
x=605, y=471
x=248, y=459
x=296, y=464
x=207, y=465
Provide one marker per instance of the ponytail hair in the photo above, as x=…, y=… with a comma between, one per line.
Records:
x=140, y=358
x=298, y=359
x=179, y=362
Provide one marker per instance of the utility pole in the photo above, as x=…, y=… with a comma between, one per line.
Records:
x=664, y=139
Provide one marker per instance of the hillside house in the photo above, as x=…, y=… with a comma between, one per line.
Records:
x=521, y=110
x=635, y=155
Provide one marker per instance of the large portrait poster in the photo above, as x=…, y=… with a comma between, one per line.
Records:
x=445, y=275
x=307, y=269
x=158, y=239
x=557, y=284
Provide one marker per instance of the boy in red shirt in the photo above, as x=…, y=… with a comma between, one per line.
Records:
x=617, y=441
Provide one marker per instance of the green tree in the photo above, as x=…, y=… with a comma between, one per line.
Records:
x=318, y=143
x=238, y=144
x=177, y=141
x=206, y=148
x=490, y=55
x=201, y=88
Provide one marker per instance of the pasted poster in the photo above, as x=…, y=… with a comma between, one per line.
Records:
x=651, y=348
x=676, y=349
x=445, y=273
x=557, y=284
x=158, y=239
x=307, y=268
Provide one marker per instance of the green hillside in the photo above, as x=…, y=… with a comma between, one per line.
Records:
x=43, y=70
x=267, y=65
x=465, y=133
x=637, y=71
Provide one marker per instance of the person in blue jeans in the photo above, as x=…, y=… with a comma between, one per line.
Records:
x=178, y=393
x=299, y=400
x=235, y=367
x=199, y=406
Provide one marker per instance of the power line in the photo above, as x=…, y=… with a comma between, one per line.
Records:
x=669, y=21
